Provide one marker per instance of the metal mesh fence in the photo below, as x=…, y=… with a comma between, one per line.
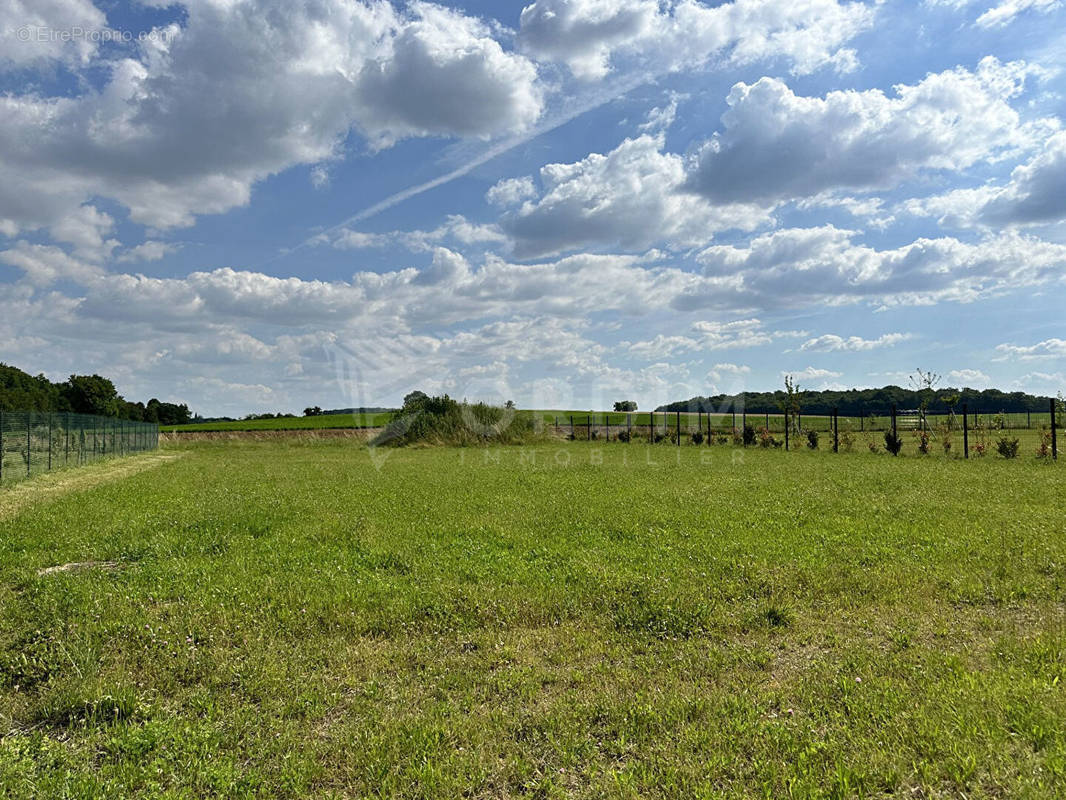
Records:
x=33, y=442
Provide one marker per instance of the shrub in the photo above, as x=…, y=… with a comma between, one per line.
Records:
x=893, y=443
x=722, y=439
x=749, y=435
x=1007, y=447
x=624, y=436
x=846, y=440
x=980, y=449
x=873, y=447
x=812, y=440
x=1044, y=450
x=766, y=439
x=923, y=442
x=697, y=437
x=442, y=420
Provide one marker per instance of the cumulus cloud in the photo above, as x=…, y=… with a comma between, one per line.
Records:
x=1049, y=348
x=592, y=36
x=830, y=342
x=455, y=228
x=148, y=251
x=825, y=263
x=968, y=377
x=629, y=198
x=287, y=82
x=511, y=191
x=32, y=33
x=1033, y=195
x=777, y=145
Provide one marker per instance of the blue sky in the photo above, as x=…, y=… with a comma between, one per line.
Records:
x=263, y=206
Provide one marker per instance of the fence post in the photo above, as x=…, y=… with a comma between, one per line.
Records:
x=629, y=427
x=66, y=438
x=571, y=426
x=1054, y=435
x=49, y=442
x=1028, y=419
x=836, y=436
x=588, y=427
x=734, y=419
x=1, y=446
x=894, y=421
x=965, y=432
x=607, y=423
x=678, y=428
x=29, y=416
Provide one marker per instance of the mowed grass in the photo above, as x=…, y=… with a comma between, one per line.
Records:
x=572, y=620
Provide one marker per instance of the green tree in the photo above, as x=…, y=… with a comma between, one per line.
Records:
x=92, y=394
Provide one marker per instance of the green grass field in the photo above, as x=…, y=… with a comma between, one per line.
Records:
x=310, y=619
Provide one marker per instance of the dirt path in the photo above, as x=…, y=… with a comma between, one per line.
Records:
x=52, y=485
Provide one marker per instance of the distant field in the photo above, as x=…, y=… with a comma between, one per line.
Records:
x=288, y=423
x=311, y=619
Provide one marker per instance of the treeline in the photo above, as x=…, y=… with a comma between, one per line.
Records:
x=82, y=394
x=856, y=402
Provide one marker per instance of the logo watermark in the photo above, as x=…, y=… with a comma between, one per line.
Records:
x=45, y=35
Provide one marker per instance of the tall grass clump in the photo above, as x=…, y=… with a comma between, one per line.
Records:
x=445, y=421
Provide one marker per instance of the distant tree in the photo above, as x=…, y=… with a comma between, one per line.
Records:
x=414, y=400
x=790, y=405
x=625, y=405
x=925, y=384
x=509, y=404
x=313, y=411
x=92, y=394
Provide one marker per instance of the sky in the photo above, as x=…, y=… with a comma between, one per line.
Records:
x=262, y=206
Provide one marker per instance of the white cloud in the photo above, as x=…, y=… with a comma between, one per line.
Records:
x=832, y=343
x=582, y=33
x=629, y=198
x=592, y=36
x=85, y=229
x=43, y=265
x=1005, y=13
x=511, y=191
x=1049, y=348
x=1033, y=195
x=455, y=228
x=148, y=251
x=969, y=377
x=287, y=82
x=811, y=374
x=777, y=145
x=35, y=32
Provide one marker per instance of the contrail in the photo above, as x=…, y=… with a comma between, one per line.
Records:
x=619, y=89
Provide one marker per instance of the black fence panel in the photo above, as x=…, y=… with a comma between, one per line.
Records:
x=32, y=442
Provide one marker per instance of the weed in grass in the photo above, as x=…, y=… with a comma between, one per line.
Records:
x=1007, y=446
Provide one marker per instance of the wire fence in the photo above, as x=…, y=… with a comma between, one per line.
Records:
x=708, y=427
x=33, y=442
